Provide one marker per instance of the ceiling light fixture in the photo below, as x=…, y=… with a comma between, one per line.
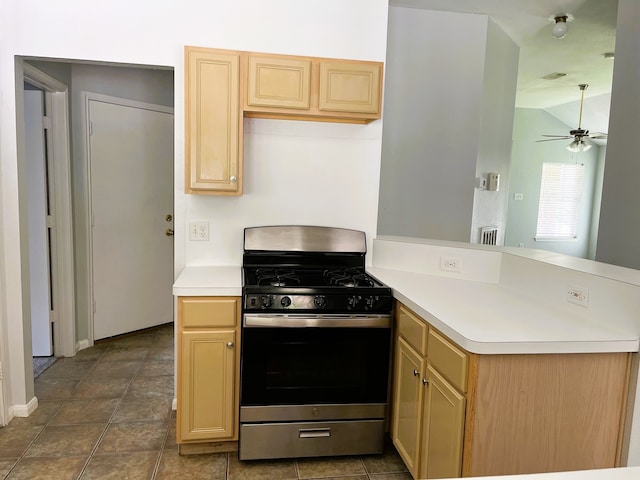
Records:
x=560, y=27
x=578, y=145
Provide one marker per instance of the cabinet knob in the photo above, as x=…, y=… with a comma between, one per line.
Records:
x=415, y=372
x=425, y=381
x=233, y=179
x=229, y=344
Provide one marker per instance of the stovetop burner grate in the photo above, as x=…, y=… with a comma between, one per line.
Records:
x=277, y=277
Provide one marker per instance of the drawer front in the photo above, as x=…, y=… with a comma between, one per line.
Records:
x=413, y=329
x=448, y=359
x=203, y=312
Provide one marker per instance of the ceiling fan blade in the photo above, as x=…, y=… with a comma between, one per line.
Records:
x=598, y=135
x=553, y=139
x=558, y=136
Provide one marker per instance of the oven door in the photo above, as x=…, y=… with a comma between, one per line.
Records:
x=329, y=362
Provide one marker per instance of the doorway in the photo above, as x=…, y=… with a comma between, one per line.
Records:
x=48, y=165
x=130, y=169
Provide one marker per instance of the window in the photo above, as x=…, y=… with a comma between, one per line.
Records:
x=560, y=194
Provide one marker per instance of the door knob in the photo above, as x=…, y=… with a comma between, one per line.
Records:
x=229, y=344
x=169, y=232
x=415, y=372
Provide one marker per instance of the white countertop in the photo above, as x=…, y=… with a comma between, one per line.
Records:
x=487, y=318
x=481, y=317
x=629, y=473
x=217, y=281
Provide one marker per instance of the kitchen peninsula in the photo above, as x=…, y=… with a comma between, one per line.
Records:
x=525, y=380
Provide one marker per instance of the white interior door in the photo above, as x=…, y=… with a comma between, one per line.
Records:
x=37, y=212
x=131, y=171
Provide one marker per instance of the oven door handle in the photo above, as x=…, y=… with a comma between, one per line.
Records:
x=257, y=320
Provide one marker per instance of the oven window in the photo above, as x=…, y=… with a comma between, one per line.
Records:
x=289, y=366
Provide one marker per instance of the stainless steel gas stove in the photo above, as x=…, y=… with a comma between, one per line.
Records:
x=316, y=336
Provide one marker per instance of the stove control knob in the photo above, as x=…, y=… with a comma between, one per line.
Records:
x=370, y=302
x=320, y=301
x=353, y=301
x=285, y=301
x=265, y=301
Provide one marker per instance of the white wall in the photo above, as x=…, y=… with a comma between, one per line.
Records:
x=494, y=143
x=319, y=160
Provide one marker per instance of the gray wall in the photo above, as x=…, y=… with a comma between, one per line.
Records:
x=526, y=173
x=619, y=232
x=437, y=130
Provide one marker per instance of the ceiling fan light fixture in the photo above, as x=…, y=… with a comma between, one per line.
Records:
x=578, y=145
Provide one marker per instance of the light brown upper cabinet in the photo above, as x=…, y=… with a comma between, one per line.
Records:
x=350, y=87
x=223, y=86
x=311, y=88
x=279, y=82
x=213, y=122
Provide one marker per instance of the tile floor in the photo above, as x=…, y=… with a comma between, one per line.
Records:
x=106, y=414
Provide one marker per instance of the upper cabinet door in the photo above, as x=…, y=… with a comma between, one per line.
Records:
x=350, y=87
x=279, y=82
x=213, y=121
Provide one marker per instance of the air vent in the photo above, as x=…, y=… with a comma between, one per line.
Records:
x=489, y=235
x=554, y=76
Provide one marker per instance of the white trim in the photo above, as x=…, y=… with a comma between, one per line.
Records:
x=24, y=410
x=82, y=344
x=64, y=292
x=88, y=233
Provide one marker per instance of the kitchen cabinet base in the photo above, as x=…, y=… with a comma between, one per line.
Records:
x=207, y=447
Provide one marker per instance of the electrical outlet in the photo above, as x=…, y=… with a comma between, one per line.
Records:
x=199, y=231
x=578, y=295
x=450, y=264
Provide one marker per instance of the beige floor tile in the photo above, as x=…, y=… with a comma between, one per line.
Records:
x=90, y=354
x=144, y=409
x=106, y=369
x=163, y=353
x=124, y=354
x=330, y=467
x=391, y=476
x=5, y=465
x=118, y=466
x=152, y=368
x=389, y=462
x=86, y=411
x=16, y=437
x=170, y=441
x=66, y=440
x=193, y=467
x=158, y=386
x=55, y=388
x=43, y=414
x=134, y=340
x=67, y=368
x=101, y=388
x=133, y=436
x=261, y=469
x=59, y=468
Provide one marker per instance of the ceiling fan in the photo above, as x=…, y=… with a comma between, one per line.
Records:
x=579, y=135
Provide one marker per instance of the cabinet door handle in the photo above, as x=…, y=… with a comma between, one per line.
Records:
x=229, y=344
x=415, y=372
x=425, y=381
x=233, y=179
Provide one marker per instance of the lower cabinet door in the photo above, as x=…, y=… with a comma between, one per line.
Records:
x=443, y=429
x=407, y=404
x=206, y=383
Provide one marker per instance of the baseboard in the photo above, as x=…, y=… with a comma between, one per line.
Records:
x=82, y=344
x=174, y=404
x=23, y=410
